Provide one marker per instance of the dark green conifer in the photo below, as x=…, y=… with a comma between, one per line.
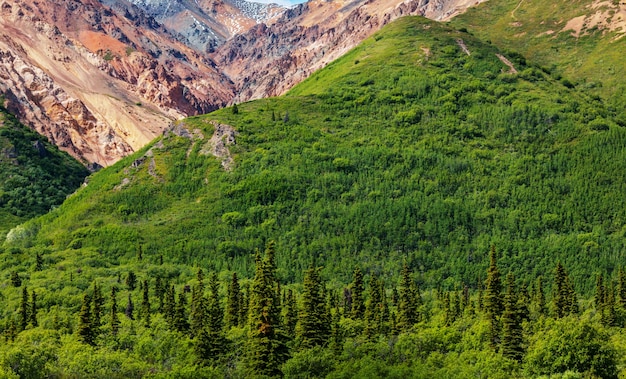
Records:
x=290, y=317
x=198, y=315
x=243, y=306
x=540, y=297
x=512, y=337
x=233, y=302
x=621, y=288
x=600, y=295
x=38, y=262
x=170, y=306
x=130, y=309
x=115, y=321
x=145, y=305
x=493, y=299
x=266, y=347
x=313, y=327
x=24, y=309
x=408, y=301
x=33, y=310
x=181, y=322
x=376, y=311
x=609, y=315
x=131, y=281
x=211, y=343
x=358, y=297
x=97, y=309
x=16, y=281
x=448, y=314
x=84, y=329
x=564, y=299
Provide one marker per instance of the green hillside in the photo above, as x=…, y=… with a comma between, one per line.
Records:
x=396, y=170
x=406, y=148
x=34, y=175
x=582, y=41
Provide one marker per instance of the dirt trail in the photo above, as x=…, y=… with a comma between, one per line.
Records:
x=508, y=63
x=463, y=46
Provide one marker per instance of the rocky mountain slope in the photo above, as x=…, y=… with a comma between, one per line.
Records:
x=269, y=60
x=102, y=78
x=97, y=84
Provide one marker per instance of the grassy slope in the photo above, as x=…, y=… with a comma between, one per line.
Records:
x=31, y=183
x=406, y=148
x=536, y=29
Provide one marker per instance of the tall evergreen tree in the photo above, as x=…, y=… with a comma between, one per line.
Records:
x=408, y=301
x=493, y=298
x=181, y=322
x=145, y=304
x=115, y=321
x=24, y=309
x=376, y=312
x=233, y=302
x=540, y=297
x=621, y=288
x=266, y=347
x=131, y=281
x=600, y=295
x=130, y=308
x=313, y=327
x=198, y=315
x=564, y=299
x=210, y=343
x=33, y=310
x=358, y=296
x=97, y=309
x=512, y=337
x=84, y=329
x=290, y=317
x=244, y=303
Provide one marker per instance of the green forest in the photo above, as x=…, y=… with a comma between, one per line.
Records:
x=429, y=205
x=35, y=177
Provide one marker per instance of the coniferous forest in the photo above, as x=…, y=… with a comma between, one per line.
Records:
x=411, y=210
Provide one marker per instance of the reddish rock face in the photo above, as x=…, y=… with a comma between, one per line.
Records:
x=101, y=81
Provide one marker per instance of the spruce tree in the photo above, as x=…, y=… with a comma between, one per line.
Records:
x=97, y=309
x=211, y=343
x=145, y=305
x=131, y=281
x=540, y=297
x=564, y=299
x=493, y=299
x=358, y=297
x=130, y=308
x=407, y=301
x=266, y=347
x=115, y=321
x=33, y=310
x=233, y=302
x=181, y=323
x=16, y=281
x=376, y=312
x=24, y=309
x=198, y=314
x=244, y=303
x=38, y=262
x=313, y=327
x=600, y=295
x=621, y=288
x=512, y=338
x=84, y=329
x=290, y=317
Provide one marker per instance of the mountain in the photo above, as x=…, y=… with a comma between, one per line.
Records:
x=70, y=66
x=581, y=41
x=269, y=60
x=423, y=149
x=98, y=84
x=207, y=24
x=422, y=143
x=36, y=176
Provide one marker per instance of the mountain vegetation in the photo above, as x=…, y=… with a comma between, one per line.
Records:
x=427, y=206
x=35, y=177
